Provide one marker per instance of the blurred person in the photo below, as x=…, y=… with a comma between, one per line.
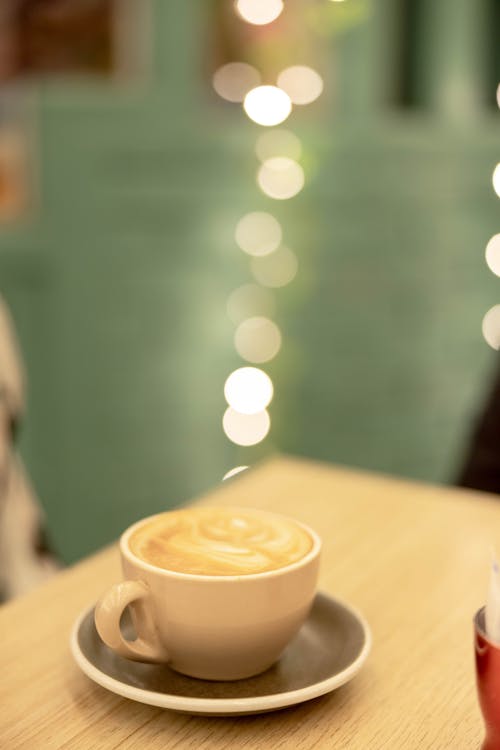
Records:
x=481, y=468
x=25, y=559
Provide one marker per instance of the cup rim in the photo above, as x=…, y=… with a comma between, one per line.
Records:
x=480, y=627
x=200, y=577
x=478, y=621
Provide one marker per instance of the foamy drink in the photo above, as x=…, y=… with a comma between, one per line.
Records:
x=220, y=541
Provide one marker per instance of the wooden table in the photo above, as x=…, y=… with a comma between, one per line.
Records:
x=413, y=558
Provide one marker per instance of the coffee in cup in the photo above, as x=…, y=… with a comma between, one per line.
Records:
x=215, y=593
x=220, y=542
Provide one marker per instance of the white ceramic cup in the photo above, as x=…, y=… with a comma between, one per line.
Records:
x=215, y=627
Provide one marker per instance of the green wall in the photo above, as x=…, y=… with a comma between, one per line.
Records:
x=119, y=284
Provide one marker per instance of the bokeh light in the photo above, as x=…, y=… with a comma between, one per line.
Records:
x=280, y=178
x=233, y=472
x=498, y=94
x=277, y=269
x=278, y=143
x=496, y=180
x=234, y=80
x=249, y=300
x=267, y=105
x=493, y=254
x=246, y=429
x=302, y=84
x=258, y=233
x=259, y=12
x=491, y=327
x=257, y=340
x=248, y=390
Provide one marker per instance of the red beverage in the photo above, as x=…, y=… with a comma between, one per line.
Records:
x=488, y=681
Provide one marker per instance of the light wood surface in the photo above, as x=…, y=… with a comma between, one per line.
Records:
x=413, y=558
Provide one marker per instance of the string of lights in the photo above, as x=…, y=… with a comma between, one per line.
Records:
x=249, y=390
x=491, y=321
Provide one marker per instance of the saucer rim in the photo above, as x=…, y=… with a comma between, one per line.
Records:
x=224, y=706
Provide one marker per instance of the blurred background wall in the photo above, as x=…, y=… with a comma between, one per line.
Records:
x=120, y=263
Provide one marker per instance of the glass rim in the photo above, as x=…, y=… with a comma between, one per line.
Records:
x=478, y=621
x=480, y=627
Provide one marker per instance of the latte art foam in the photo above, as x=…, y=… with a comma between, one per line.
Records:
x=220, y=541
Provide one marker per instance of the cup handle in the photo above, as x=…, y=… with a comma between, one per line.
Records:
x=109, y=609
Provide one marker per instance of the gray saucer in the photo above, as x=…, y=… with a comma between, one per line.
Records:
x=329, y=650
